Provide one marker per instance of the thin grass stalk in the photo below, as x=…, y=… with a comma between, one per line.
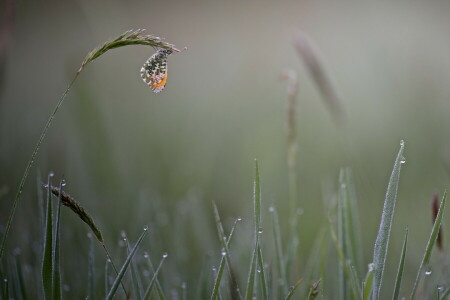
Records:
x=382, y=240
x=235, y=291
x=21, y=285
x=131, y=37
x=432, y=240
x=124, y=268
x=56, y=282
x=154, y=278
x=91, y=268
x=280, y=264
x=398, y=279
x=341, y=207
x=158, y=285
x=136, y=279
x=47, y=261
x=216, y=289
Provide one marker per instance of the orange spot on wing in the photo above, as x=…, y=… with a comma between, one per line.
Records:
x=161, y=83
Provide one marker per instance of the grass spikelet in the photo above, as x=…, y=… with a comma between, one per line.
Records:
x=71, y=203
x=310, y=57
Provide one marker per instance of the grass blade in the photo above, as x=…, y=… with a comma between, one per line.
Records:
x=251, y=275
x=431, y=242
x=21, y=284
x=368, y=283
x=158, y=285
x=235, y=292
x=398, y=280
x=292, y=289
x=222, y=265
x=136, y=280
x=91, y=268
x=47, y=260
x=154, y=278
x=124, y=268
x=262, y=274
x=341, y=241
x=281, y=270
x=382, y=240
x=56, y=273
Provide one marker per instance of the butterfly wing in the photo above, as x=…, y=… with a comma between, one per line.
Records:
x=154, y=71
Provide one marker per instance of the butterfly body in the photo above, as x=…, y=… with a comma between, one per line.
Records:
x=154, y=70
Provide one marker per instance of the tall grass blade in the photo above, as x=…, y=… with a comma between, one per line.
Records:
x=216, y=288
x=262, y=273
x=431, y=242
x=292, y=289
x=91, y=268
x=5, y=289
x=280, y=265
x=47, y=261
x=398, y=280
x=124, y=268
x=149, y=289
x=135, y=278
x=382, y=240
x=341, y=242
x=56, y=252
x=20, y=279
x=235, y=291
x=158, y=285
x=251, y=275
x=351, y=218
x=368, y=283
x=107, y=281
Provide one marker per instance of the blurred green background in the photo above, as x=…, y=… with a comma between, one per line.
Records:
x=132, y=157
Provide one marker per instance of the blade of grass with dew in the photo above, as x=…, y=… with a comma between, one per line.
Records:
x=47, y=260
x=398, y=280
x=56, y=272
x=382, y=240
x=431, y=242
x=124, y=268
x=352, y=233
x=281, y=270
x=251, y=275
x=5, y=289
x=158, y=285
x=235, y=291
x=348, y=270
x=292, y=289
x=135, y=279
x=368, y=282
x=130, y=37
x=341, y=238
x=445, y=295
x=262, y=273
x=258, y=230
x=222, y=265
x=154, y=278
x=91, y=268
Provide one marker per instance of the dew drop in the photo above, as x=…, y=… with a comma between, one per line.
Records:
x=402, y=160
x=299, y=211
x=145, y=227
x=89, y=235
x=258, y=270
x=165, y=255
x=183, y=285
x=402, y=143
x=66, y=288
x=108, y=260
x=223, y=253
x=428, y=272
x=5, y=280
x=239, y=219
x=63, y=182
x=51, y=174
x=260, y=230
x=145, y=255
x=371, y=267
x=272, y=208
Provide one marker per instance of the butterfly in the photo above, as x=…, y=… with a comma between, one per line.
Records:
x=154, y=70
